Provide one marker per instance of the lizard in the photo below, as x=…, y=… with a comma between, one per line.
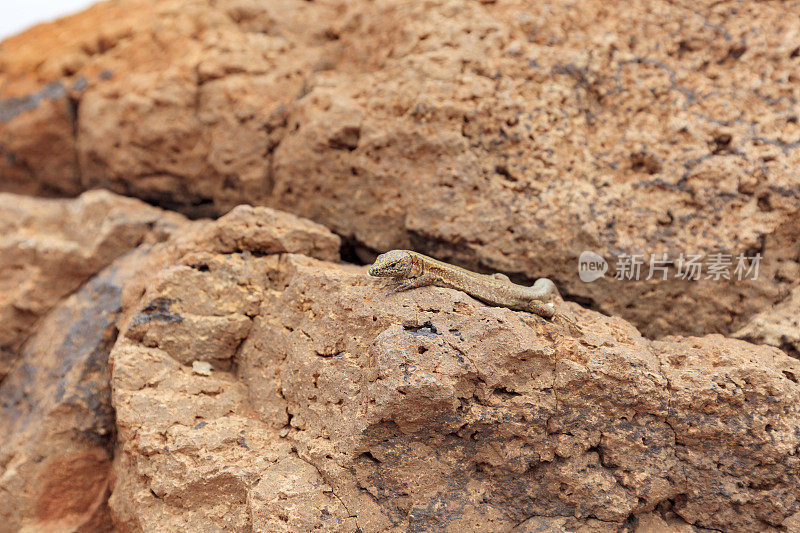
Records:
x=415, y=270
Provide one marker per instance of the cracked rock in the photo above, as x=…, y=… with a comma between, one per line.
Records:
x=333, y=412
x=503, y=136
x=50, y=248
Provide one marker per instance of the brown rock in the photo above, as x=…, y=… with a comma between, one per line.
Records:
x=55, y=405
x=505, y=136
x=44, y=162
x=49, y=248
x=777, y=326
x=344, y=406
x=56, y=416
x=266, y=231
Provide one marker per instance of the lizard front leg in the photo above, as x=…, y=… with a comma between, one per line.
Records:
x=414, y=283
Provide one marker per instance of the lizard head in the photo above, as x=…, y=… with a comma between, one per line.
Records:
x=394, y=264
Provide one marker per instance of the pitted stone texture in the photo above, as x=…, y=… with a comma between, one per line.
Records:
x=49, y=248
x=56, y=416
x=344, y=406
x=55, y=401
x=262, y=230
x=778, y=326
x=504, y=136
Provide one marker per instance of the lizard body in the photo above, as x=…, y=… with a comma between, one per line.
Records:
x=417, y=270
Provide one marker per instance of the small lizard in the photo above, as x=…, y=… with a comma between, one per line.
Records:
x=417, y=270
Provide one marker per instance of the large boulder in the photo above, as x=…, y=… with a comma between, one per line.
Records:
x=506, y=136
x=257, y=389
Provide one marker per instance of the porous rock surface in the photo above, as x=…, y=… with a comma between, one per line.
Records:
x=49, y=248
x=62, y=270
x=506, y=136
x=56, y=416
x=776, y=326
x=269, y=388
x=260, y=384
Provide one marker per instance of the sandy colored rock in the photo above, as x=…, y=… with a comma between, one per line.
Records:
x=49, y=248
x=55, y=403
x=260, y=385
x=504, y=136
x=178, y=157
x=656, y=522
x=344, y=406
x=62, y=270
x=56, y=416
x=778, y=326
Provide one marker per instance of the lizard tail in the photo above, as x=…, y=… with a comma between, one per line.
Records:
x=543, y=289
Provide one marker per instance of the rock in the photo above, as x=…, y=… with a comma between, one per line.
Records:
x=777, y=326
x=249, y=237
x=56, y=416
x=262, y=231
x=49, y=248
x=202, y=368
x=63, y=264
x=335, y=404
x=55, y=403
x=504, y=136
x=257, y=383
x=50, y=153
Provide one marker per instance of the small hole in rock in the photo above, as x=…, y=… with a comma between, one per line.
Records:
x=369, y=457
x=764, y=203
x=722, y=143
x=645, y=162
x=737, y=51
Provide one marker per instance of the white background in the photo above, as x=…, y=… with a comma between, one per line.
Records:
x=18, y=15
